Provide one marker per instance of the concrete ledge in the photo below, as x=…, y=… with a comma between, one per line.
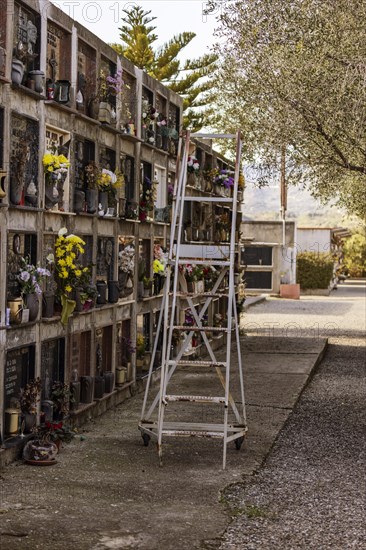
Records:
x=253, y=300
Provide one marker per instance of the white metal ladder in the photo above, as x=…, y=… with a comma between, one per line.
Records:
x=222, y=256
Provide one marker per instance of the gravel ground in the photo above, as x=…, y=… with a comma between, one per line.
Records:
x=311, y=492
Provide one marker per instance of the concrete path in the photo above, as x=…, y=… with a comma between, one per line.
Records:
x=108, y=491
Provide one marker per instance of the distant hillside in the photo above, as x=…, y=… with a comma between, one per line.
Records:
x=264, y=204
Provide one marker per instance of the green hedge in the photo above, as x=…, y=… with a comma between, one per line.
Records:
x=314, y=270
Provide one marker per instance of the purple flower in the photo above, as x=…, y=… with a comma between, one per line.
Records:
x=24, y=276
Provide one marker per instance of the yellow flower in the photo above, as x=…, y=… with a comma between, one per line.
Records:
x=61, y=263
x=78, y=272
x=64, y=273
x=68, y=288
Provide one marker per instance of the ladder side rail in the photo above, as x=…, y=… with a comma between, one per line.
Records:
x=231, y=291
x=168, y=338
x=153, y=358
x=240, y=365
x=181, y=198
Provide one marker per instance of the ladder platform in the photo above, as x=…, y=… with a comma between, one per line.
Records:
x=182, y=363
x=193, y=399
x=194, y=328
x=191, y=429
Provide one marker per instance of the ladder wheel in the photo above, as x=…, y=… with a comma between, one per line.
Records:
x=146, y=438
x=238, y=443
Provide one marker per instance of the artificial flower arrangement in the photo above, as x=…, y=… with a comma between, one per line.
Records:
x=30, y=278
x=148, y=198
x=170, y=194
x=126, y=259
x=109, y=85
x=70, y=273
x=55, y=166
x=193, y=165
x=110, y=181
x=160, y=261
x=192, y=272
x=140, y=346
x=224, y=178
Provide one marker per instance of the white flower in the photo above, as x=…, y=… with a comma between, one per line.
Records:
x=111, y=174
x=62, y=232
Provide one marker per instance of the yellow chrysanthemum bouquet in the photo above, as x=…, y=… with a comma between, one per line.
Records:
x=70, y=273
x=55, y=166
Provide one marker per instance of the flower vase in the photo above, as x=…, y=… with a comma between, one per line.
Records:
x=51, y=192
x=104, y=112
x=92, y=200
x=102, y=292
x=68, y=307
x=79, y=201
x=17, y=71
x=2, y=184
x=36, y=452
x=103, y=200
x=192, y=179
x=16, y=190
x=32, y=303
x=28, y=421
x=113, y=291
x=48, y=301
x=93, y=108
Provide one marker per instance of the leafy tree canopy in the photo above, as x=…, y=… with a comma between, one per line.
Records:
x=292, y=75
x=137, y=44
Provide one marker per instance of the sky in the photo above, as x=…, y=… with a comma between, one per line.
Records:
x=103, y=17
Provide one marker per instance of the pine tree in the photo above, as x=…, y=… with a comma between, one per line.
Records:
x=138, y=36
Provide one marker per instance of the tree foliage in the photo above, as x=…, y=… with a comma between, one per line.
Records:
x=292, y=74
x=137, y=44
x=355, y=254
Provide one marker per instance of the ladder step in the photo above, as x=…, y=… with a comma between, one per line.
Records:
x=183, y=363
x=183, y=261
x=187, y=429
x=203, y=294
x=193, y=399
x=213, y=136
x=217, y=199
x=194, y=328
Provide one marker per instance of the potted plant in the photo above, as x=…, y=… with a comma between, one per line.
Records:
x=91, y=179
x=59, y=433
x=126, y=265
x=28, y=400
x=40, y=451
x=61, y=397
x=193, y=169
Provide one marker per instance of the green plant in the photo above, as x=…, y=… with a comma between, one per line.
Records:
x=314, y=270
x=61, y=397
x=30, y=396
x=60, y=432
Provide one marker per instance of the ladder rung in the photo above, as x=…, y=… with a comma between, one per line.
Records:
x=213, y=136
x=182, y=363
x=194, y=328
x=203, y=294
x=193, y=399
x=183, y=261
x=208, y=199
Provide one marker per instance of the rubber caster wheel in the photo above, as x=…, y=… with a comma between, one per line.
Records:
x=238, y=443
x=146, y=438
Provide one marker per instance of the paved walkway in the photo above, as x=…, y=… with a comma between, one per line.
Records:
x=108, y=491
